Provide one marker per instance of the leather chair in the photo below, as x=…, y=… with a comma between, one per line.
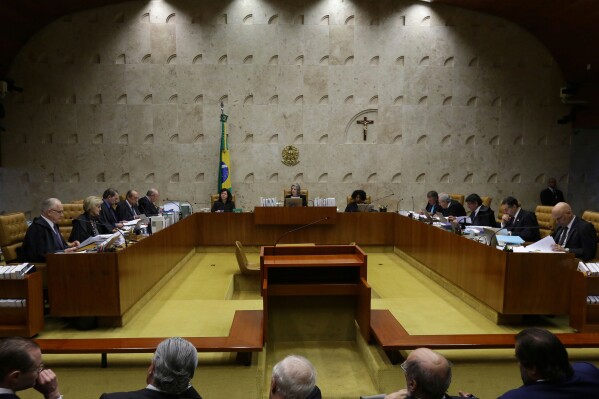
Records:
x=458, y=197
x=71, y=211
x=214, y=198
x=287, y=192
x=593, y=217
x=543, y=214
x=350, y=199
x=13, y=227
x=245, y=267
x=487, y=201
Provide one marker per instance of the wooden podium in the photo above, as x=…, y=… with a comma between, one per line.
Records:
x=322, y=270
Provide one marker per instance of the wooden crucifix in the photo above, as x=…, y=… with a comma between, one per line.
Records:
x=365, y=124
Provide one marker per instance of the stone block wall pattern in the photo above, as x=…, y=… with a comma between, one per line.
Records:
x=128, y=96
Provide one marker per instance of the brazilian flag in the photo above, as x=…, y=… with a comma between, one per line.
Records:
x=224, y=169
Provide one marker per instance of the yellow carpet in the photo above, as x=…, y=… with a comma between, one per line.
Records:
x=202, y=298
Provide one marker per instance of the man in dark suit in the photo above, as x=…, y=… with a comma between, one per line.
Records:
x=551, y=195
x=127, y=209
x=108, y=216
x=450, y=207
x=546, y=371
x=43, y=236
x=169, y=375
x=573, y=234
x=147, y=204
x=294, y=377
x=21, y=368
x=518, y=221
x=480, y=214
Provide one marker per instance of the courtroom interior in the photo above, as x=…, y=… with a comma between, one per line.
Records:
x=388, y=99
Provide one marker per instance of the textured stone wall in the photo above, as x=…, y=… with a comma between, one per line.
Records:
x=128, y=96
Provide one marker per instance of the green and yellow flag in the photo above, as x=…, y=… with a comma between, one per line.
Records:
x=224, y=169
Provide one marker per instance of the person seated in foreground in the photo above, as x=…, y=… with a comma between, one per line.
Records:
x=296, y=193
x=147, y=205
x=480, y=215
x=432, y=202
x=450, y=207
x=428, y=376
x=546, y=371
x=88, y=223
x=518, y=221
x=127, y=209
x=169, y=375
x=573, y=234
x=294, y=378
x=43, y=236
x=224, y=203
x=21, y=368
x=358, y=197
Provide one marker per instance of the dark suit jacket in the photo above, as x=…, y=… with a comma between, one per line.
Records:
x=484, y=217
x=524, y=219
x=145, y=393
x=39, y=240
x=147, y=207
x=432, y=209
x=583, y=384
x=108, y=215
x=8, y=396
x=82, y=228
x=581, y=239
x=352, y=207
x=551, y=198
x=223, y=206
x=454, y=209
x=124, y=211
x=303, y=197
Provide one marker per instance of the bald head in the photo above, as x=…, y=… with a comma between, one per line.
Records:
x=562, y=213
x=428, y=374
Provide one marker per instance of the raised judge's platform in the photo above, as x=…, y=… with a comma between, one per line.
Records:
x=113, y=285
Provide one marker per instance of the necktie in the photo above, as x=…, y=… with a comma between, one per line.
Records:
x=562, y=238
x=58, y=238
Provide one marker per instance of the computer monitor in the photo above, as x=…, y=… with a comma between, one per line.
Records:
x=294, y=201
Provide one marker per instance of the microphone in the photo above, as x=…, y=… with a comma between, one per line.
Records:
x=413, y=207
x=299, y=228
x=110, y=228
x=381, y=198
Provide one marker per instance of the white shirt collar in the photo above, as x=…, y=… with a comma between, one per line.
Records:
x=6, y=390
x=517, y=213
x=51, y=223
x=570, y=224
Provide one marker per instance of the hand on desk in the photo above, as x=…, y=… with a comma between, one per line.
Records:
x=72, y=246
x=558, y=248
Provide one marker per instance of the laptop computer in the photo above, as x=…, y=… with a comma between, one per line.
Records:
x=294, y=201
x=365, y=207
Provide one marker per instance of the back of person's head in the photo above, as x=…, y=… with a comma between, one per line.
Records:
x=294, y=377
x=430, y=370
x=474, y=198
x=90, y=202
x=432, y=194
x=542, y=351
x=109, y=192
x=15, y=355
x=175, y=361
x=510, y=201
x=359, y=193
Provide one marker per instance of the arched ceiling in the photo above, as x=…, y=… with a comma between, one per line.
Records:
x=568, y=28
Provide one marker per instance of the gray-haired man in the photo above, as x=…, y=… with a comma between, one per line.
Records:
x=169, y=374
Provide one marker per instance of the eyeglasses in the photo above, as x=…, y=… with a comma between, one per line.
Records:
x=57, y=211
x=39, y=368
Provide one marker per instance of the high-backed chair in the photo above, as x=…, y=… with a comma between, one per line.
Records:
x=458, y=197
x=543, y=214
x=287, y=192
x=350, y=199
x=71, y=211
x=487, y=201
x=245, y=266
x=13, y=227
x=593, y=218
x=214, y=198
